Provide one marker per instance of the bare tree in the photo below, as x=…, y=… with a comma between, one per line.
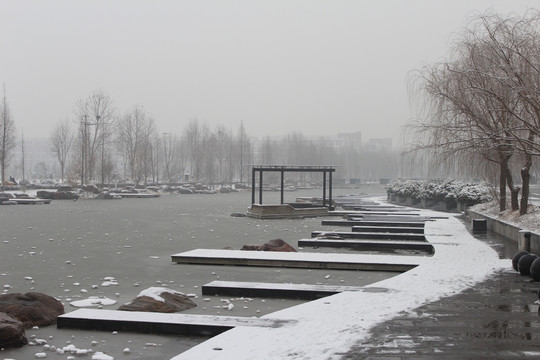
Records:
x=514, y=45
x=244, y=150
x=61, y=140
x=192, y=136
x=484, y=102
x=95, y=113
x=134, y=141
x=222, y=139
x=7, y=138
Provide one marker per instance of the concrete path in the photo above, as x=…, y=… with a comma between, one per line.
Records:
x=332, y=327
x=495, y=319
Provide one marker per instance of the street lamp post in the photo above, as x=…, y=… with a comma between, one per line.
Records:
x=165, y=154
x=103, y=132
x=82, y=149
x=157, y=159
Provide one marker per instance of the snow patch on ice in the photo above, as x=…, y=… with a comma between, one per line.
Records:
x=155, y=292
x=93, y=301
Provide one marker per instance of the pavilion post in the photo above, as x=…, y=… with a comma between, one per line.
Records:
x=253, y=186
x=324, y=189
x=260, y=186
x=282, y=182
x=330, y=207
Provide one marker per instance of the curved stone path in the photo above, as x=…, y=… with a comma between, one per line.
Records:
x=332, y=327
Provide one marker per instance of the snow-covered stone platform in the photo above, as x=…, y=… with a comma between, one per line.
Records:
x=396, y=263
x=372, y=235
x=30, y=201
x=327, y=328
x=389, y=229
x=135, y=195
x=368, y=244
x=384, y=223
x=277, y=290
x=158, y=323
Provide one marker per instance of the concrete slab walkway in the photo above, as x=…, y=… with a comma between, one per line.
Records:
x=332, y=327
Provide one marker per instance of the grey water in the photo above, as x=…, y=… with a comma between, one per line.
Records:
x=68, y=248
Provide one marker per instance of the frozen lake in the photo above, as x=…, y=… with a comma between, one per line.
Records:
x=69, y=248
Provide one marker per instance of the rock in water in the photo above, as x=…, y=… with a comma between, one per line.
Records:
x=32, y=309
x=158, y=299
x=250, y=247
x=11, y=332
x=272, y=245
x=277, y=245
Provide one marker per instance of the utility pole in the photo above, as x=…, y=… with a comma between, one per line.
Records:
x=22, y=162
x=103, y=137
x=166, y=154
x=4, y=138
x=84, y=124
x=157, y=159
x=82, y=152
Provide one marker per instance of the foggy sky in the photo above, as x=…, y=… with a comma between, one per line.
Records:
x=319, y=67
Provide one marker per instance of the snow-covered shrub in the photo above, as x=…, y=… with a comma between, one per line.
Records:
x=447, y=190
x=474, y=193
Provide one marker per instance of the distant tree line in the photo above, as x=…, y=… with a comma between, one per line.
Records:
x=481, y=106
x=105, y=146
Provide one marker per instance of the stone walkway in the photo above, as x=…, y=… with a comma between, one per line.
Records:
x=497, y=319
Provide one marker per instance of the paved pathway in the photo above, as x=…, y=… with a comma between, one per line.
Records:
x=328, y=328
x=496, y=319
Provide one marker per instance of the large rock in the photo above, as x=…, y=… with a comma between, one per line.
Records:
x=158, y=299
x=272, y=245
x=11, y=332
x=91, y=189
x=105, y=195
x=57, y=195
x=6, y=195
x=32, y=309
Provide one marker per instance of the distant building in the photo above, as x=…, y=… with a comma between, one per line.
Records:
x=380, y=145
x=350, y=140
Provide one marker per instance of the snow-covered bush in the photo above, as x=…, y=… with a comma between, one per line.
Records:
x=448, y=190
x=474, y=193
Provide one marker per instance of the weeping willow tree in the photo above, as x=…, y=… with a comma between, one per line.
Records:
x=478, y=105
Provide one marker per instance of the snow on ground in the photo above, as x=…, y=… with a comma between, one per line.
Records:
x=330, y=326
x=529, y=221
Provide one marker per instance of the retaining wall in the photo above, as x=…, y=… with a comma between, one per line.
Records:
x=527, y=240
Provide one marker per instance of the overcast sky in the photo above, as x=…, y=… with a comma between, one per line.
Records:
x=319, y=67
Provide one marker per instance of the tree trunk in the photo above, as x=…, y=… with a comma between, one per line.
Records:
x=502, y=189
x=514, y=190
x=525, y=177
x=514, y=196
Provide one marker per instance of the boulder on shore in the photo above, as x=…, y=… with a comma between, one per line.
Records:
x=32, y=308
x=272, y=245
x=57, y=195
x=158, y=299
x=11, y=332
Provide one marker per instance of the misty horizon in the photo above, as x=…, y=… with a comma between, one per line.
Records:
x=319, y=68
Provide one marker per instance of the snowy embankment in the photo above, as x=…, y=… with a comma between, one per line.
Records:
x=330, y=326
